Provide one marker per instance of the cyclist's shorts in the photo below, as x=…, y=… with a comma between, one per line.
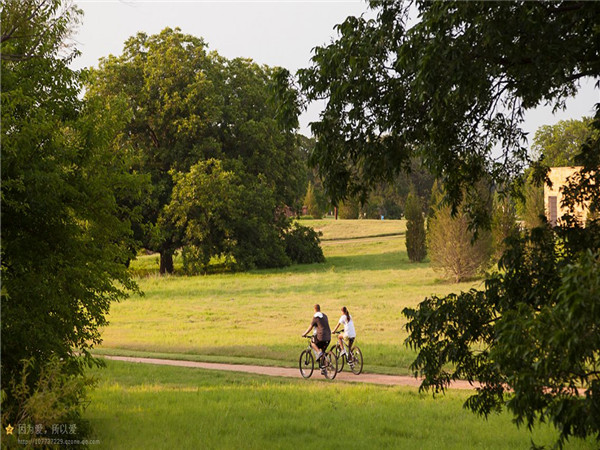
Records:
x=321, y=344
x=348, y=340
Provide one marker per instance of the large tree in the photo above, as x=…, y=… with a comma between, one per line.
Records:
x=172, y=105
x=65, y=239
x=451, y=81
x=188, y=105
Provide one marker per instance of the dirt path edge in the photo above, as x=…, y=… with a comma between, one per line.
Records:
x=372, y=378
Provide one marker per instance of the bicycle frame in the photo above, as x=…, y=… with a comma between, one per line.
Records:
x=345, y=348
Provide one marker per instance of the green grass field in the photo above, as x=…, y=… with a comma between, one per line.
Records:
x=258, y=316
x=352, y=229
x=138, y=406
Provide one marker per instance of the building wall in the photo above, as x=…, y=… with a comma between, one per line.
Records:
x=553, y=196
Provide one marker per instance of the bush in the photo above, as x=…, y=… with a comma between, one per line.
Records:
x=349, y=209
x=311, y=203
x=415, y=229
x=451, y=245
x=56, y=398
x=370, y=211
x=504, y=224
x=391, y=210
x=302, y=245
x=258, y=242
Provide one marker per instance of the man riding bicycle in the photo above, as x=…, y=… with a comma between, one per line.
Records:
x=322, y=334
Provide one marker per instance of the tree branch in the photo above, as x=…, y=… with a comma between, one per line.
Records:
x=6, y=36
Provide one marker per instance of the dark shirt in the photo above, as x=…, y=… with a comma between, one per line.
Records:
x=323, y=330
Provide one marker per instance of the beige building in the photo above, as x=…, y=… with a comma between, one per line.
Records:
x=553, y=196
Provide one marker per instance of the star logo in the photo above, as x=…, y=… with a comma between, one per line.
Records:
x=9, y=429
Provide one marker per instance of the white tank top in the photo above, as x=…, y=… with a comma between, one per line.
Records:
x=348, y=326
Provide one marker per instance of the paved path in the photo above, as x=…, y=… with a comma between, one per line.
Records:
x=389, y=380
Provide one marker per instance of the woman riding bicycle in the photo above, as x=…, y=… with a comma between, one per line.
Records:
x=349, y=333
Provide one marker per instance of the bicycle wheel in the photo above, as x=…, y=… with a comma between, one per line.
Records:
x=340, y=358
x=357, y=361
x=306, y=363
x=331, y=365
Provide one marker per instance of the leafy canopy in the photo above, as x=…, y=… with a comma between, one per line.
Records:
x=186, y=105
x=65, y=239
x=557, y=145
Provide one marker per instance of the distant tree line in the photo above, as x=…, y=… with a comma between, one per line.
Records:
x=386, y=198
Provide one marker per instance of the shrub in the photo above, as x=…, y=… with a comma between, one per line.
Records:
x=415, y=229
x=451, y=245
x=391, y=209
x=302, y=245
x=349, y=209
x=370, y=210
x=311, y=203
x=57, y=397
x=504, y=224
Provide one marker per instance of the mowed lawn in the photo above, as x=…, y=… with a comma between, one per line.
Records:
x=138, y=406
x=257, y=317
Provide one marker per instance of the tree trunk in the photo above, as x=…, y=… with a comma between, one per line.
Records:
x=166, y=261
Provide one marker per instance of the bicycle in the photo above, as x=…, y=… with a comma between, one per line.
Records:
x=328, y=361
x=355, y=361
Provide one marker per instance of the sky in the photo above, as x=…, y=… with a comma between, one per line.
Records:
x=277, y=33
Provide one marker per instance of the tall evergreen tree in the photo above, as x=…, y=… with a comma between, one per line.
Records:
x=415, y=229
x=310, y=201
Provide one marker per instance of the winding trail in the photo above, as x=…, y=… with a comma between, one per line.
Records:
x=372, y=378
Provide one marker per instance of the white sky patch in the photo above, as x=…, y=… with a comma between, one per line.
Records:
x=276, y=33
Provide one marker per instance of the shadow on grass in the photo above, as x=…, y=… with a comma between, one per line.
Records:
x=378, y=261
x=352, y=263
x=397, y=260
